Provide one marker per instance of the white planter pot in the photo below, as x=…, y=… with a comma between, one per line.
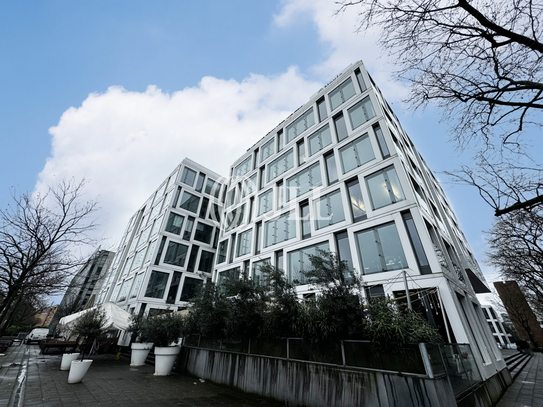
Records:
x=165, y=359
x=140, y=351
x=78, y=370
x=67, y=359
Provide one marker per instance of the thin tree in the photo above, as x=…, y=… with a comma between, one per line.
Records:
x=38, y=235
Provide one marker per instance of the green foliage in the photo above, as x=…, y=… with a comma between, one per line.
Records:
x=90, y=326
x=162, y=329
x=208, y=313
x=136, y=326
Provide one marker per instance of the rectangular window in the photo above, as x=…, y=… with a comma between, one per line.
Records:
x=306, y=222
x=176, y=197
x=200, y=182
x=150, y=251
x=212, y=188
x=384, y=188
x=138, y=259
x=321, y=108
x=304, y=181
x=298, y=261
x=157, y=284
x=341, y=127
x=223, y=248
x=301, y=152
x=203, y=208
x=188, y=176
x=344, y=250
x=190, y=288
x=356, y=153
x=280, y=195
x=215, y=214
x=331, y=167
x=300, y=125
x=258, y=237
x=280, y=141
x=235, y=218
x=267, y=149
x=176, y=254
x=320, y=139
x=330, y=210
x=279, y=259
x=381, y=141
x=174, y=286
x=265, y=202
x=137, y=285
x=188, y=228
x=251, y=204
x=258, y=276
x=281, y=165
x=244, y=242
x=203, y=233
x=261, y=179
x=206, y=262
x=160, y=249
x=232, y=274
x=175, y=223
x=358, y=209
x=416, y=243
x=380, y=249
x=341, y=94
x=242, y=168
x=249, y=186
x=360, y=80
x=189, y=202
x=361, y=112
x=192, y=258
x=124, y=290
x=279, y=230
x=231, y=197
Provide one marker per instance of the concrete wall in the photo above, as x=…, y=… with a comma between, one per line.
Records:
x=309, y=384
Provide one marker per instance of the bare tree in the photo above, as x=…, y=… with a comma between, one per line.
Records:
x=38, y=235
x=481, y=63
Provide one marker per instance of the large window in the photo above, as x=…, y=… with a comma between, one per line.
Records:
x=223, y=248
x=249, y=186
x=416, y=243
x=361, y=112
x=190, y=288
x=212, y=188
x=188, y=228
x=267, y=149
x=258, y=277
x=176, y=254
x=330, y=209
x=380, y=249
x=300, y=125
x=157, y=284
x=203, y=233
x=320, y=139
x=232, y=274
x=265, y=202
x=242, y=168
x=175, y=223
x=174, y=287
x=244, y=242
x=188, y=176
x=298, y=261
x=384, y=188
x=189, y=202
x=281, y=229
x=358, y=209
x=280, y=165
x=321, y=107
x=341, y=127
x=206, y=262
x=356, y=153
x=341, y=94
x=235, y=218
x=304, y=181
x=124, y=290
x=137, y=285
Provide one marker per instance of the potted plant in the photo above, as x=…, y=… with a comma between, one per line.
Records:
x=164, y=330
x=141, y=346
x=90, y=327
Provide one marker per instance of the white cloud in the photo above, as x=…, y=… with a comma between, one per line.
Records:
x=125, y=143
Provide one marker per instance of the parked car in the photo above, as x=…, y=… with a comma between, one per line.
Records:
x=36, y=335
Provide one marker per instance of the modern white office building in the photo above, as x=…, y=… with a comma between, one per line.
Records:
x=338, y=174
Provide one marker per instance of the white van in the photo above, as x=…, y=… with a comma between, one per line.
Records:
x=36, y=335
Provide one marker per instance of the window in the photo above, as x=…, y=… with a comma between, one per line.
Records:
x=160, y=249
x=301, y=152
x=175, y=223
x=190, y=288
x=203, y=233
x=279, y=259
x=203, y=208
x=223, y=248
x=144, y=237
x=300, y=125
x=156, y=210
x=416, y=243
x=384, y=188
x=358, y=209
x=206, y=262
x=124, y=290
x=176, y=254
x=331, y=167
x=361, y=112
x=298, y=261
x=189, y=202
x=242, y=168
x=280, y=195
x=232, y=273
x=380, y=249
x=321, y=108
x=320, y=139
x=192, y=257
x=200, y=182
x=138, y=259
x=235, y=218
x=259, y=278
x=375, y=291
x=280, y=165
x=244, y=242
x=188, y=228
x=381, y=141
x=174, y=286
x=215, y=214
x=258, y=237
x=265, y=202
x=341, y=94
x=330, y=210
x=157, y=284
x=188, y=176
x=249, y=186
x=212, y=188
x=344, y=250
x=267, y=149
x=137, y=285
x=304, y=181
x=341, y=127
x=231, y=197
x=306, y=222
x=356, y=153
x=360, y=80
x=176, y=197
x=279, y=230
x=150, y=251
x=280, y=140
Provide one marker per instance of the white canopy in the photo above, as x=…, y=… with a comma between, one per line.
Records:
x=116, y=317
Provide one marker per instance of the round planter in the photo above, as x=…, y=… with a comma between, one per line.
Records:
x=140, y=351
x=78, y=370
x=165, y=359
x=67, y=359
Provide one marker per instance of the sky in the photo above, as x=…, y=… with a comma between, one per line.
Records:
x=119, y=92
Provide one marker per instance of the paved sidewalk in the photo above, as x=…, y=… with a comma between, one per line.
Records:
x=527, y=389
x=10, y=365
x=111, y=382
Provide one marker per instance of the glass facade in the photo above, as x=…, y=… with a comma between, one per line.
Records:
x=380, y=249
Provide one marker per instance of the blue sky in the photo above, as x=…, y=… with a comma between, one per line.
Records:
x=119, y=92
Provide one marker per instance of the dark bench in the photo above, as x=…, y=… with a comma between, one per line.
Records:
x=5, y=344
x=61, y=346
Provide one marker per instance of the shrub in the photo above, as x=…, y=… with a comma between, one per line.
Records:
x=162, y=329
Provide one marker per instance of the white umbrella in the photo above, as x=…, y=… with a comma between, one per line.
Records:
x=116, y=317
